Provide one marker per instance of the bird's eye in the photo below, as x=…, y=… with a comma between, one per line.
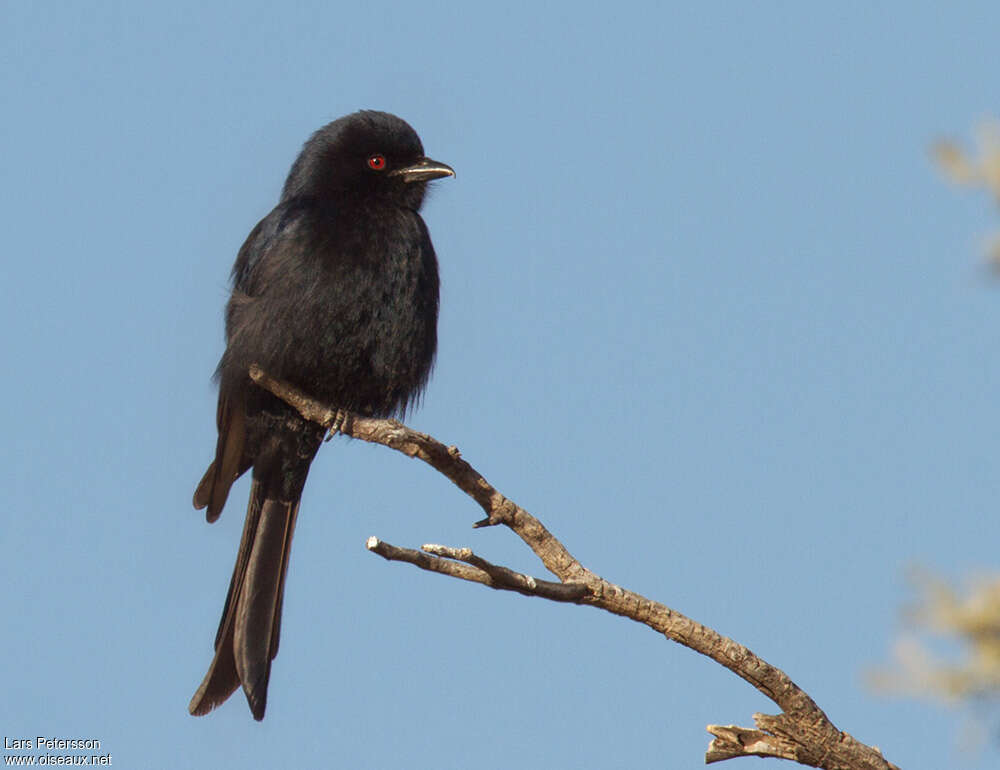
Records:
x=376, y=162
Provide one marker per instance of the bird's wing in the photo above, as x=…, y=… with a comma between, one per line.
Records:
x=261, y=249
x=230, y=460
x=249, y=279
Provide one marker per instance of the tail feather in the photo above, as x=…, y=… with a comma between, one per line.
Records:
x=258, y=619
x=247, y=639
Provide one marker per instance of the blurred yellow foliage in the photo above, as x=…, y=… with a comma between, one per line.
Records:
x=970, y=616
x=981, y=170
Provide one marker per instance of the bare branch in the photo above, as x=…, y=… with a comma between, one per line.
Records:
x=447, y=561
x=732, y=741
x=427, y=562
x=802, y=732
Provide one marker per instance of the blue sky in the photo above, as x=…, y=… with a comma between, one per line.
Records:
x=707, y=310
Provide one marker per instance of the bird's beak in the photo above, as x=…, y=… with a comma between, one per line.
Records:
x=423, y=170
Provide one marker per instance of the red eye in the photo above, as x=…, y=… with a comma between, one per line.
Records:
x=376, y=162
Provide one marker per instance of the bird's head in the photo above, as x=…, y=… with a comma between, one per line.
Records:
x=362, y=156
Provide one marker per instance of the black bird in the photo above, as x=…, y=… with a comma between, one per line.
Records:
x=336, y=292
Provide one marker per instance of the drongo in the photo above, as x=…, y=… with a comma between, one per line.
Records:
x=335, y=292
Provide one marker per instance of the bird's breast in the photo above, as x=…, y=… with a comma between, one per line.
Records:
x=364, y=329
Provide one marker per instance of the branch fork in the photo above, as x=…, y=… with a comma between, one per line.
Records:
x=802, y=732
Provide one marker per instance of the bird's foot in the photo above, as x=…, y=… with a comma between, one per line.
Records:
x=337, y=424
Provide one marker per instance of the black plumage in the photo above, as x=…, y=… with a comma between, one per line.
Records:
x=336, y=292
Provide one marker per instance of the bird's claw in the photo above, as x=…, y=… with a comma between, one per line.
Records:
x=336, y=424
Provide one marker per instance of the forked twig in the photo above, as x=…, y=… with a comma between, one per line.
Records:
x=802, y=732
